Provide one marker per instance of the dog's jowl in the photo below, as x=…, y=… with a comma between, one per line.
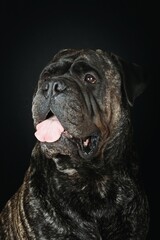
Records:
x=82, y=182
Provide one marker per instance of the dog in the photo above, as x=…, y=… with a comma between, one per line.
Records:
x=83, y=179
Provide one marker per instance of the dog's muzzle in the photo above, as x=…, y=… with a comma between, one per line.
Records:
x=53, y=127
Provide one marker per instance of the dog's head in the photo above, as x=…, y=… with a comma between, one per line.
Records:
x=81, y=99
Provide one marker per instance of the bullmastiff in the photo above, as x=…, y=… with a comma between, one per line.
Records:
x=83, y=179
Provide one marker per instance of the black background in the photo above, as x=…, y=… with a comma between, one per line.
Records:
x=33, y=31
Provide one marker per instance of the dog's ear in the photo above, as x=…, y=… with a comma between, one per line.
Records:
x=133, y=78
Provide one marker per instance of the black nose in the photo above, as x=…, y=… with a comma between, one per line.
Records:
x=53, y=88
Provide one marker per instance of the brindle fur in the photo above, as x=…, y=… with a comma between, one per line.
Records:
x=64, y=196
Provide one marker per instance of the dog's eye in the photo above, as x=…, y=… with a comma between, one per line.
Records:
x=90, y=78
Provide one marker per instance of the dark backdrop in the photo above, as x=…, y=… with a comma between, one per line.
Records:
x=31, y=33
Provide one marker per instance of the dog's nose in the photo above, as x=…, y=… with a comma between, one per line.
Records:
x=53, y=88
x=58, y=87
x=46, y=89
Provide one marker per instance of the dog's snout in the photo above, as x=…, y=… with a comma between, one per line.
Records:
x=53, y=88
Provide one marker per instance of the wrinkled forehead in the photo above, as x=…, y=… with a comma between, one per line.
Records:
x=66, y=59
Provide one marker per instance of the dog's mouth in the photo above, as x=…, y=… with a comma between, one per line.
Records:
x=88, y=147
x=50, y=130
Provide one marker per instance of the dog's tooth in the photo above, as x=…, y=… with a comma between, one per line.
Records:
x=86, y=142
x=68, y=134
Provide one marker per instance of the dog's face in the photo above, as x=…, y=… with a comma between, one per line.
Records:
x=80, y=101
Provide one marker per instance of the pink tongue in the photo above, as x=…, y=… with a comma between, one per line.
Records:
x=49, y=130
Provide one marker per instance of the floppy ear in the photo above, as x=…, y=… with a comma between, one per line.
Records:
x=133, y=78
